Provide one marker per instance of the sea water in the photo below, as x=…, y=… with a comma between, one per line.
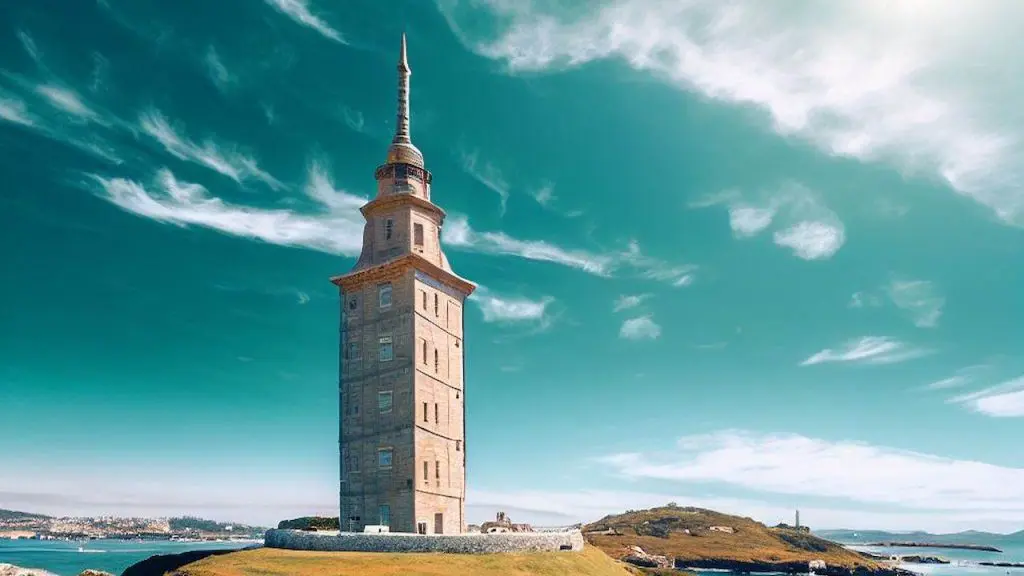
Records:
x=65, y=559
x=962, y=562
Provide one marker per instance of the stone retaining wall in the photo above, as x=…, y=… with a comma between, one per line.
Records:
x=447, y=543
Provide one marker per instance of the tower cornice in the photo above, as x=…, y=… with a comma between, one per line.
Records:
x=390, y=201
x=394, y=268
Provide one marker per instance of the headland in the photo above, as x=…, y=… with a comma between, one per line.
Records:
x=979, y=547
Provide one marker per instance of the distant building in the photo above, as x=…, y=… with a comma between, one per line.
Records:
x=402, y=409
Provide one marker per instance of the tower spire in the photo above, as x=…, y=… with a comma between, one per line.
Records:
x=402, y=125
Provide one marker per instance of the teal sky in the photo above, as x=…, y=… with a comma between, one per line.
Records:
x=731, y=254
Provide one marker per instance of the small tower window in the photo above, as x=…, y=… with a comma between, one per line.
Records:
x=436, y=307
x=385, y=295
x=437, y=361
x=458, y=445
x=352, y=303
x=387, y=351
x=437, y=414
x=437, y=469
x=353, y=350
x=424, y=294
x=389, y=227
x=425, y=419
x=417, y=234
x=424, y=351
x=384, y=457
x=426, y=474
x=384, y=401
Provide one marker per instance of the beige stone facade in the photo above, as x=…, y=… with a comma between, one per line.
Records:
x=402, y=406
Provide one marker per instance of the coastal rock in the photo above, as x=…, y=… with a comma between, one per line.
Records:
x=162, y=563
x=91, y=572
x=638, y=557
x=12, y=570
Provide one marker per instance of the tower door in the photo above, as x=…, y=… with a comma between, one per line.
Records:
x=439, y=523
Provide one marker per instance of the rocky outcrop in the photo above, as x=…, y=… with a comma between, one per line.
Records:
x=91, y=572
x=917, y=559
x=1003, y=564
x=823, y=569
x=12, y=570
x=638, y=557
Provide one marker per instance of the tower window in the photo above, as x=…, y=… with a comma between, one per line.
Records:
x=424, y=351
x=437, y=361
x=425, y=469
x=352, y=303
x=385, y=515
x=353, y=351
x=389, y=227
x=387, y=351
x=458, y=445
x=384, y=457
x=417, y=234
x=353, y=463
x=385, y=295
x=423, y=293
x=425, y=419
x=437, y=469
x=384, y=401
x=456, y=394
x=437, y=414
x=435, y=305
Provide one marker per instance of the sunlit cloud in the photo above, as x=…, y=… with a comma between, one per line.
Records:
x=300, y=12
x=640, y=328
x=867, y=350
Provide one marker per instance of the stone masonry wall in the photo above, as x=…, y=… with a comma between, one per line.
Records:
x=451, y=544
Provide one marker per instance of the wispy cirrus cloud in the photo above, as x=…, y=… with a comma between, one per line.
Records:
x=487, y=174
x=627, y=301
x=300, y=12
x=217, y=71
x=511, y=309
x=867, y=350
x=640, y=328
x=336, y=230
x=804, y=224
x=1005, y=400
x=850, y=472
x=221, y=158
x=861, y=79
x=919, y=298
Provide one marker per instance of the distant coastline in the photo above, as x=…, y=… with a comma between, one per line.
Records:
x=978, y=547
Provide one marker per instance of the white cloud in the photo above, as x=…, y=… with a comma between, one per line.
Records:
x=640, y=328
x=68, y=101
x=805, y=224
x=497, y=308
x=919, y=298
x=1004, y=400
x=811, y=240
x=545, y=194
x=338, y=230
x=927, y=90
x=487, y=174
x=299, y=11
x=627, y=301
x=867, y=350
x=223, y=159
x=749, y=221
x=14, y=110
x=457, y=233
x=790, y=464
x=218, y=72
x=303, y=298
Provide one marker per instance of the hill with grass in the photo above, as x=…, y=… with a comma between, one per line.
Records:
x=699, y=538
x=277, y=562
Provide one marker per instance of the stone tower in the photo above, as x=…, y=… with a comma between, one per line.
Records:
x=402, y=406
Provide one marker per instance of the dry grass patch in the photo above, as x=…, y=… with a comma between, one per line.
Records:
x=276, y=562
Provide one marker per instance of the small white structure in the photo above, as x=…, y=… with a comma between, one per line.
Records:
x=376, y=529
x=726, y=529
x=816, y=565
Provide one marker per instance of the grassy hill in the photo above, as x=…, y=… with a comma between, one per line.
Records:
x=275, y=562
x=15, y=515
x=686, y=534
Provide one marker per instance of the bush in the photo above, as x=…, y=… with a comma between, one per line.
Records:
x=310, y=523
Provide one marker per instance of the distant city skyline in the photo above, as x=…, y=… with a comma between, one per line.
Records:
x=752, y=256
